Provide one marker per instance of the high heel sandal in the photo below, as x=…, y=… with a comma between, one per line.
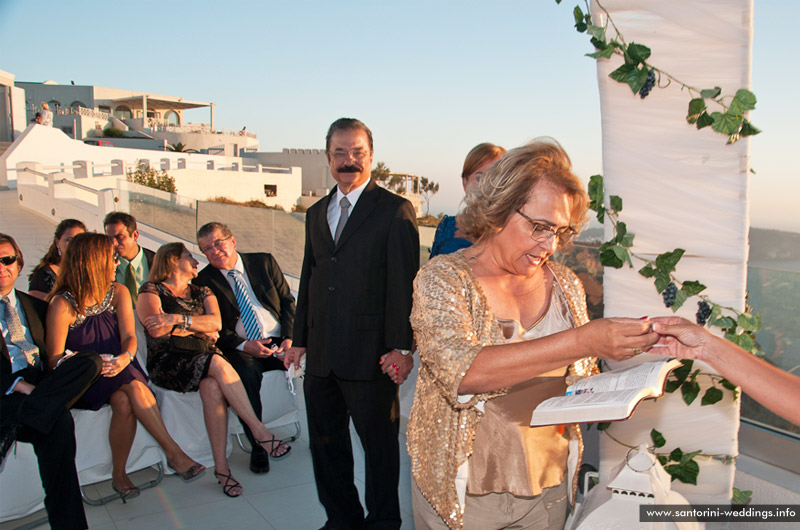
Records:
x=230, y=483
x=191, y=474
x=126, y=493
x=274, y=448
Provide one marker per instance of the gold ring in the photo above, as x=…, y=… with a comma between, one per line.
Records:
x=637, y=351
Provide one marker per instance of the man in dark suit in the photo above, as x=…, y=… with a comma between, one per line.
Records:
x=257, y=310
x=34, y=405
x=134, y=260
x=361, y=256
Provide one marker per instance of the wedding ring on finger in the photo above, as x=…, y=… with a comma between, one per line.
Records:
x=637, y=350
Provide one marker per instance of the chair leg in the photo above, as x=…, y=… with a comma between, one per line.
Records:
x=33, y=524
x=108, y=498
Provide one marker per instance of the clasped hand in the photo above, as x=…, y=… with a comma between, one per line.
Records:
x=114, y=365
x=396, y=365
x=618, y=339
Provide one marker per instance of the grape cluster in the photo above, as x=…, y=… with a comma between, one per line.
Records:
x=669, y=294
x=703, y=312
x=648, y=85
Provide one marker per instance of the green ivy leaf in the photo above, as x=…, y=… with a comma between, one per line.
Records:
x=658, y=438
x=726, y=123
x=605, y=53
x=669, y=260
x=648, y=271
x=749, y=323
x=704, y=120
x=662, y=280
x=682, y=372
x=727, y=384
x=580, y=25
x=672, y=385
x=630, y=74
x=741, y=497
x=616, y=203
x=598, y=33
x=639, y=53
x=680, y=298
x=627, y=240
x=662, y=460
x=693, y=288
x=711, y=396
x=622, y=254
x=621, y=229
x=687, y=457
x=748, y=129
x=608, y=256
x=711, y=92
x=603, y=425
x=745, y=98
x=697, y=106
x=676, y=455
x=686, y=473
x=689, y=391
x=596, y=194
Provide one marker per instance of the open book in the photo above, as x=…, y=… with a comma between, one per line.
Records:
x=608, y=396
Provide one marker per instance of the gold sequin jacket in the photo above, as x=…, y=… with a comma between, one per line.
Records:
x=452, y=322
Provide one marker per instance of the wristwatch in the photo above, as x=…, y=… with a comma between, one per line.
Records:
x=403, y=352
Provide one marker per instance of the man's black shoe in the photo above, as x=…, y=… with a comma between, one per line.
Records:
x=8, y=435
x=259, y=461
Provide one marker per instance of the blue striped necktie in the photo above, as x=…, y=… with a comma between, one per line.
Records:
x=251, y=325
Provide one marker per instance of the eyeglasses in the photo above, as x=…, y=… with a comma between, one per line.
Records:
x=541, y=233
x=217, y=244
x=341, y=154
x=8, y=260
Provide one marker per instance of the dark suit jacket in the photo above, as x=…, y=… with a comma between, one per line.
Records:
x=148, y=255
x=35, y=314
x=270, y=288
x=355, y=299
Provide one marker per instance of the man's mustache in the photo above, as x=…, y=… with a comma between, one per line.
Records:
x=350, y=169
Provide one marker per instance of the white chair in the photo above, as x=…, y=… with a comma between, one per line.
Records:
x=93, y=458
x=183, y=417
x=21, y=487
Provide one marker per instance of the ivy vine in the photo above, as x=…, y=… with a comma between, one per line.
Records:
x=739, y=327
x=641, y=75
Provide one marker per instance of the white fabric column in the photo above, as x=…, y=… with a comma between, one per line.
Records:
x=681, y=188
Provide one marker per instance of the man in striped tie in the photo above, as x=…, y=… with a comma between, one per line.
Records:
x=257, y=310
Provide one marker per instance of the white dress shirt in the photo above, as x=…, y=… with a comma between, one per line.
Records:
x=335, y=209
x=18, y=359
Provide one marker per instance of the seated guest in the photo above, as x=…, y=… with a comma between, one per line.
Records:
x=500, y=328
x=43, y=277
x=448, y=237
x=182, y=322
x=89, y=311
x=257, y=312
x=134, y=261
x=33, y=403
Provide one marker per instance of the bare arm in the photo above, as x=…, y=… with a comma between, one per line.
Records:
x=777, y=390
x=159, y=324
x=505, y=365
x=59, y=317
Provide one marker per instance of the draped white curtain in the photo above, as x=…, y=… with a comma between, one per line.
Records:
x=681, y=188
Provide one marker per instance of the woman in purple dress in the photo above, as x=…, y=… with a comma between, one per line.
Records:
x=89, y=311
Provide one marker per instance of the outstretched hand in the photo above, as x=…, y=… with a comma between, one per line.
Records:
x=682, y=338
x=618, y=339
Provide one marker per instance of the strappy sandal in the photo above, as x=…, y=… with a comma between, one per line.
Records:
x=276, y=444
x=191, y=474
x=230, y=483
x=126, y=493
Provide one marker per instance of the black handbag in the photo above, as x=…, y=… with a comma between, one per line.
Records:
x=187, y=343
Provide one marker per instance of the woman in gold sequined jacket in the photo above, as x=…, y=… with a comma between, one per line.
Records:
x=499, y=329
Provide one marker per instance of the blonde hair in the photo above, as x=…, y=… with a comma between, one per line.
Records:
x=85, y=269
x=507, y=185
x=165, y=262
x=45, y=106
x=479, y=155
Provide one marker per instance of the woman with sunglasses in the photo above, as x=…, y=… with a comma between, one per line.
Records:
x=500, y=328
x=89, y=311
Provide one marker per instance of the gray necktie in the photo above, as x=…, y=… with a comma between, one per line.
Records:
x=17, y=333
x=345, y=205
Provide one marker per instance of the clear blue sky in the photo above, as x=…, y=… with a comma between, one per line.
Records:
x=431, y=79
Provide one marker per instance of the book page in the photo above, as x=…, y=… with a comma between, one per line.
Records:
x=643, y=375
x=604, y=406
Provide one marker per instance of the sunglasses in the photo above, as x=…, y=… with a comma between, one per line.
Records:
x=8, y=260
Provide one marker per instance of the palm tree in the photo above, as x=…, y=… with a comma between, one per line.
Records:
x=180, y=148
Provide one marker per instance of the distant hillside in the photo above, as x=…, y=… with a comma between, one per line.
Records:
x=771, y=245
